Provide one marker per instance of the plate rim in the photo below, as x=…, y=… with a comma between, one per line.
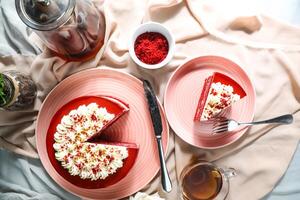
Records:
x=241, y=132
x=104, y=68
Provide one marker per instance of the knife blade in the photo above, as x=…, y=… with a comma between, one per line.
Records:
x=153, y=108
x=157, y=125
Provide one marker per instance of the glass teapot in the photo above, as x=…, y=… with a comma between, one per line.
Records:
x=72, y=29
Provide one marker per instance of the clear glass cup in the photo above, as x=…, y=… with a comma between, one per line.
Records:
x=204, y=181
x=17, y=90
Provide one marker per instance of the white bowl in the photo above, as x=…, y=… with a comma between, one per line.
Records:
x=152, y=27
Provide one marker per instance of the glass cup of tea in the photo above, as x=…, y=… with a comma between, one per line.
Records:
x=205, y=181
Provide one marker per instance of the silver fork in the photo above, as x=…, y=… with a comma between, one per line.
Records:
x=223, y=125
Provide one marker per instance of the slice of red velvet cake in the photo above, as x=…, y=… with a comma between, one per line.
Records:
x=219, y=92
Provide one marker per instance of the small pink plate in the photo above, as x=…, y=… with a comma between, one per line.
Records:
x=134, y=127
x=183, y=92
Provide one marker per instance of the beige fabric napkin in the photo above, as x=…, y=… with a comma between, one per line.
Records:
x=269, y=55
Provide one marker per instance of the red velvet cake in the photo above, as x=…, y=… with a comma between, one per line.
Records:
x=76, y=128
x=219, y=92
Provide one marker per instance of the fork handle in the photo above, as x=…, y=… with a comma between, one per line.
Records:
x=284, y=119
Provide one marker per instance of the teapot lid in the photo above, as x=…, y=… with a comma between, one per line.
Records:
x=45, y=15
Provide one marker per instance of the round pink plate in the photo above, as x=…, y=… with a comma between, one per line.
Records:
x=134, y=127
x=183, y=92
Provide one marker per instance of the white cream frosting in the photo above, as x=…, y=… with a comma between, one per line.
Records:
x=220, y=96
x=87, y=160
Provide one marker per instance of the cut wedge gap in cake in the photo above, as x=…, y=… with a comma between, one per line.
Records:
x=124, y=108
x=218, y=94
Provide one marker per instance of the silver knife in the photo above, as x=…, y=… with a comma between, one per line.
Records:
x=157, y=125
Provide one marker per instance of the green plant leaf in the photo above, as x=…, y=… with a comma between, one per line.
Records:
x=2, y=94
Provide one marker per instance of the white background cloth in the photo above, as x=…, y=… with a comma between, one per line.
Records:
x=27, y=176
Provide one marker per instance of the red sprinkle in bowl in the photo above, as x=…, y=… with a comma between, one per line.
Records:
x=152, y=27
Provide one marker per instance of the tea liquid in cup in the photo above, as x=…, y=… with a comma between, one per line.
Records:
x=204, y=181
